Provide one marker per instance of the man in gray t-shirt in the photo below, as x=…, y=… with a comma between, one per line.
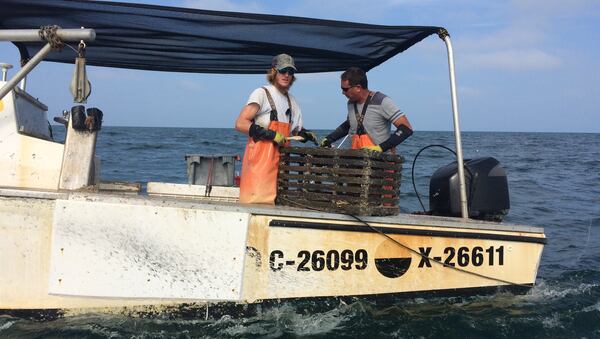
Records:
x=370, y=115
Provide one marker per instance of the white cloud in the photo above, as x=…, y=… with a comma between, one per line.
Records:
x=226, y=5
x=190, y=85
x=468, y=91
x=523, y=37
x=111, y=73
x=527, y=40
x=516, y=59
x=552, y=8
x=349, y=10
x=511, y=37
x=318, y=77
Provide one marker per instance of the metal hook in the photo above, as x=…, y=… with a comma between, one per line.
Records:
x=81, y=49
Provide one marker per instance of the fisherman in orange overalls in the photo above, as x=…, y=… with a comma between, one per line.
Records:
x=269, y=117
x=370, y=116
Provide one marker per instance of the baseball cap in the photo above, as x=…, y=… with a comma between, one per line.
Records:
x=282, y=61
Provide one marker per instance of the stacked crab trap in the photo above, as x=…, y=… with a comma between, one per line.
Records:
x=359, y=182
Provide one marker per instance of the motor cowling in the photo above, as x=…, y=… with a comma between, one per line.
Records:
x=487, y=190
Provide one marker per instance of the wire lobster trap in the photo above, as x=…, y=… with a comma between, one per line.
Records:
x=359, y=182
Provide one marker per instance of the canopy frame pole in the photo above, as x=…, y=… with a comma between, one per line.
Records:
x=22, y=73
x=32, y=35
x=444, y=35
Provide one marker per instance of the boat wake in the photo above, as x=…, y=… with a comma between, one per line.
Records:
x=552, y=307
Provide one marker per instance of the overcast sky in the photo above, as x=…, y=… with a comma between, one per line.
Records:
x=524, y=65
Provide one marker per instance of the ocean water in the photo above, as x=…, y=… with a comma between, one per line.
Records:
x=554, y=182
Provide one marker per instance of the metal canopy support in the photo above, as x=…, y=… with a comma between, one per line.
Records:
x=31, y=35
x=37, y=58
x=459, y=154
x=34, y=35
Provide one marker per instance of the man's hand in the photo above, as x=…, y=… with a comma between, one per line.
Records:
x=375, y=148
x=325, y=143
x=308, y=136
x=279, y=139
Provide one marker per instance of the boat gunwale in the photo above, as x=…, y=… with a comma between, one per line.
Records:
x=263, y=210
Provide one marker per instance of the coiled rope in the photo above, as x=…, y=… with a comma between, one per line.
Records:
x=48, y=34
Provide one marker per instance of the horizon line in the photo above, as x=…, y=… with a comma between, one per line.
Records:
x=331, y=129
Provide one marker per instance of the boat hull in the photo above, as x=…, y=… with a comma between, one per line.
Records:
x=260, y=255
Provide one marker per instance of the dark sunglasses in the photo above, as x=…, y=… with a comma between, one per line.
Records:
x=345, y=89
x=287, y=70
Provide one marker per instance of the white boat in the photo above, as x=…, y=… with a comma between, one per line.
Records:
x=69, y=242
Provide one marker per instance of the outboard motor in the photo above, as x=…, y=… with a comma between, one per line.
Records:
x=487, y=190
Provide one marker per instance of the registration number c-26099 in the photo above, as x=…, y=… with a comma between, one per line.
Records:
x=319, y=260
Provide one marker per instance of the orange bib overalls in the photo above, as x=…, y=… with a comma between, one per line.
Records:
x=361, y=138
x=258, y=182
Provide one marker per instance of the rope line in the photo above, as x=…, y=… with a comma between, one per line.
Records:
x=209, y=178
x=415, y=251
x=412, y=172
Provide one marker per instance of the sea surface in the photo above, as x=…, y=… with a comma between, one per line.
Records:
x=554, y=182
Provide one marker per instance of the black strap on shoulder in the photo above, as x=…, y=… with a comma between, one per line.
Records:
x=272, y=104
x=360, y=128
x=288, y=112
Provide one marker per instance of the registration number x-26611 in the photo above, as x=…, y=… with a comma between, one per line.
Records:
x=464, y=256
x=319, y=260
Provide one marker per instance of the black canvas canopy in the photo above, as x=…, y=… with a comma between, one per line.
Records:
x=190, y=40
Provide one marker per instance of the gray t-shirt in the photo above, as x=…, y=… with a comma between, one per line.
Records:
x=381, y=113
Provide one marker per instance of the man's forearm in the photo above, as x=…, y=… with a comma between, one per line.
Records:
x=339, y=132
x=258, y=133
x=401, y=134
